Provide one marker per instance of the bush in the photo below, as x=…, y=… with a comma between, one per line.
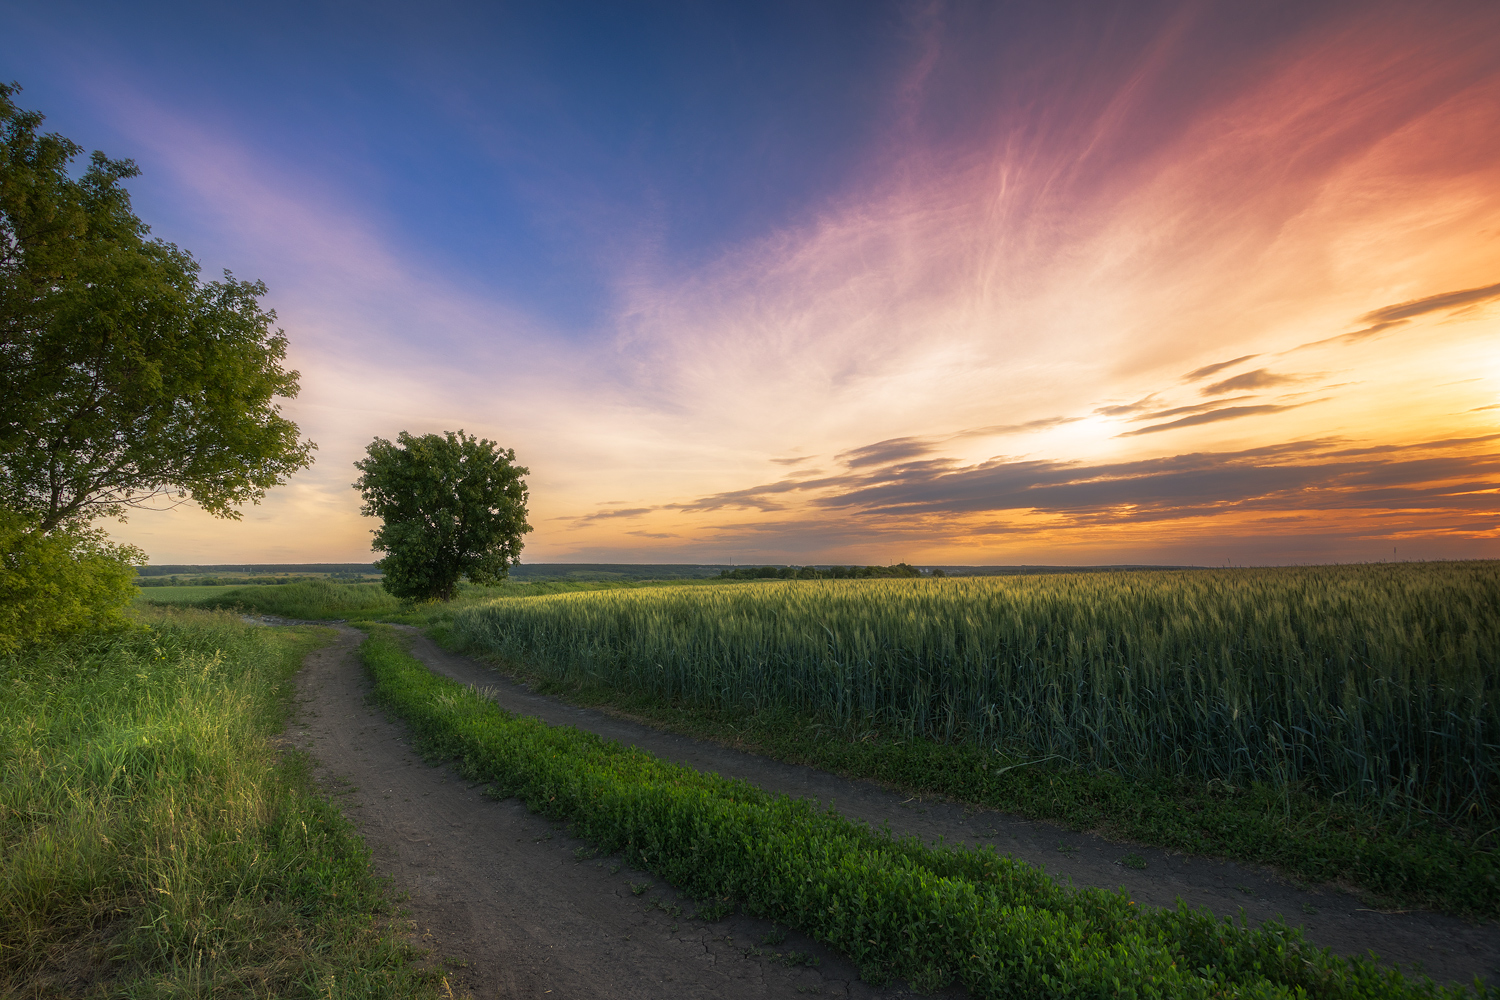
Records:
x=59, y=583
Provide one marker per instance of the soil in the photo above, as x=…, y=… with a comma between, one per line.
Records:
x=512, y=898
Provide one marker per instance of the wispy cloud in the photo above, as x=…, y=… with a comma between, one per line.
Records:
x=885, y=452
x=1430, y=304
x=1213, y=416
x=1177, y=411
x=997, y=430
x=1125, y=409
x=1207, y=370
x=1260, y=378
x=1292, y=476
x=608, y=515
x=1399, y=315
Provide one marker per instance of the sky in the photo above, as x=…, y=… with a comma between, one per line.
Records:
x=843, y=282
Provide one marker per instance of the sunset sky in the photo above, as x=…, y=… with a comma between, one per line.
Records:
x=949, y=283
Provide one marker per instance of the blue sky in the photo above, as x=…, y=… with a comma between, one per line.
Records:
x=846, y=282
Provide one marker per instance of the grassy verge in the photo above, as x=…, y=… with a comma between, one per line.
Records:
x=1398, y=860
x=152, y=841
x=897, y=907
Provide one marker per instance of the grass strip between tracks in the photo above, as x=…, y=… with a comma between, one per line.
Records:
x=899, y=908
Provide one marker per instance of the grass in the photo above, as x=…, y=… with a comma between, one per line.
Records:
x=154, y=844
x=1396, y=848
x=1395, y=860
x=1413, y=622
x=323, y=600
x=1376, y=683
x=898, y=908
x=307, y=600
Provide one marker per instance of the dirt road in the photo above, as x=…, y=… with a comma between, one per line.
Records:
x=503, y=891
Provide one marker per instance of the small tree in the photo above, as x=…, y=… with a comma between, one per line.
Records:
x=453, y=506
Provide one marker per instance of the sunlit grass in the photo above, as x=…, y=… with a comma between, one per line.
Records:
x=153, y=843
x=1375, y=682
x=1106, y=702
x=897, y=907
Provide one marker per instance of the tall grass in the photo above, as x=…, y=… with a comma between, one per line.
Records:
x=1374, y=682
x=151, y=844
x=929, y=914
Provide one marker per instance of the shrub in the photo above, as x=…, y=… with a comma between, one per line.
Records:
x=61, y=582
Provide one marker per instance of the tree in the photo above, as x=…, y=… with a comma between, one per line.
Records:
x=124, y=379
x=453, y=506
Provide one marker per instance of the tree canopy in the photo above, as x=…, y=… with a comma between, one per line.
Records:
x=124, y=379
x=453, y=506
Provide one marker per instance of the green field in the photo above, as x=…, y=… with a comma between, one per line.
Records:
x=1373, y=682
x=930, y=914
x=154, y=843
x=311, y=599
x=1337, y=722
x=315, y=600
x=1341, y=722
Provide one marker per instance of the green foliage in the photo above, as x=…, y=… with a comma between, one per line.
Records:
x=452, y=506
x=152, y=841
x=999, y=927
x=826, y=573
x=1373, y=682
x=123, y=377
x=60, y=583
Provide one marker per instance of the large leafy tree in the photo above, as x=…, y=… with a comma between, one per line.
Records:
x=125, y=380
x=453, y=506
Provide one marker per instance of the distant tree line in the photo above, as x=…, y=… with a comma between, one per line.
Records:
x=818, y=572
x=331, y=570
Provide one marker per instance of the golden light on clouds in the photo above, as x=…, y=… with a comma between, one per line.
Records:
x=1160, y=311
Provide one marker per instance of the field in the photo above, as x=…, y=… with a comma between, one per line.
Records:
x=154, y=843
x=1378, y=683
x=1340, y=721
x=897, y=906
x=315, y=600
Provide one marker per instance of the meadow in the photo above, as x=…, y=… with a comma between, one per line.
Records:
x=1338, y=722
x=326, y=600
x=154, y=842
x=1378, y=683
x=930, y=914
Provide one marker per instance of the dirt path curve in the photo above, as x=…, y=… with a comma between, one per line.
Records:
x=1445, y=948
x=502, y=892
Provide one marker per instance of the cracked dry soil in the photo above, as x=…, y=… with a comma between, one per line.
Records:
x=504, y=894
